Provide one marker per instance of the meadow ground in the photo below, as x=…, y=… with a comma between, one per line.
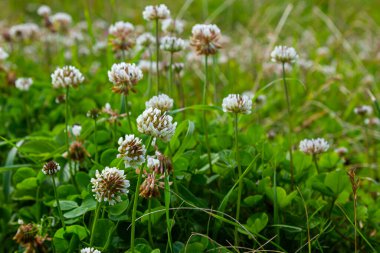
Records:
x=191, y=126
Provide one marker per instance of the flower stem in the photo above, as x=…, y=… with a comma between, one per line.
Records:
x=136, y=199
x=58, y=204
x=289, y=126
x=167, y=207
x=98, y=205
x=125, y=109
x=150, y=222
x=275, y=206
x=205, y=84
x=214, y=65
x=95, y=142
x=355, y=222
x=171, y=75
x=240, y=186
x=316, y=163
x=67, y=120
x=157, y=57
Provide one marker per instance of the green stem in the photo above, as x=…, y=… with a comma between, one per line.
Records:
x=150, y=222
x=275, y=206
x=240, y=186
x=98, y=205
x=289, y=126
x=316, y=163
x=157, y=57
x=67, y=120
x=307, y=221
x=367, y=145
x=214, y=64
x=58, y=204
x=355, y=223
x=167, y=207
x=205, y=84
x=136, y=199
x=125, y=108
x=95, y=141
x=171, y=75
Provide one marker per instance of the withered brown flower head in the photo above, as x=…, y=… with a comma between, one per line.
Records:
x=27, y=236
x=51, y=168
x=205, y=39
x=78, y=152
x=150, y=187
x=109, y=185
x=160, y=164
x=93, y=113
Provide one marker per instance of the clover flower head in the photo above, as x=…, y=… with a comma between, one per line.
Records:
x=162, y=102
x=284, y=54
x=205, y=39
x=23, y=83
x=154, y=12
x=109, y=185
x=61, y=21
x=173, y=25
x=90, y=250
x=156, y=123
x=66, y=76
x=3, y=55
x=76, y=129
x=121, y=29
x=145, y=40
x=314, y=146
x=51, y=168
x=124, y=77
x=372, y=122
x=237, y=104
x=24, y=32
x=363, y=110
x=172, y=44
x=131, y=150
x=44, y=11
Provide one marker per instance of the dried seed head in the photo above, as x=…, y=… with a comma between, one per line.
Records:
x=284, y=54
x=131, y=150
x=51, y=168
x=66, y=76
x=77, y=151
x=314, y=146
x=237, y=104
x=205, y=39
x=156, y=123
x=150, y=187
x=90, y=250
x=23, y=83
x=25, y=234
x=162, y=102
x=363, y=110
x=124, y=77
x=156, y=12
x=109, y=185
x=93, y=113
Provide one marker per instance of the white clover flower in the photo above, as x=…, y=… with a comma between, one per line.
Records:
x=205, y=39
x=152, y=163
x=172, y=44
x=155, y=123
x=109, y=185
x=51, y=168
x=23, y=32
x=341, y=151
x=237, y=104
x=121, y=29
x=131, y=150
x=372, y=122
x=66, y=76
x=61, y=20
x=3, y=55
x=44, y=11
x=23, y=83
x=90, y=250
x=124, y=77
x=172, y=25
x=145, y=40
x=145, y=66
x=363, y=110
x=76, y=129
x=284, y=54
x=107, y=106
x=314, y=146
x=162, y=102
x=156, y=12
